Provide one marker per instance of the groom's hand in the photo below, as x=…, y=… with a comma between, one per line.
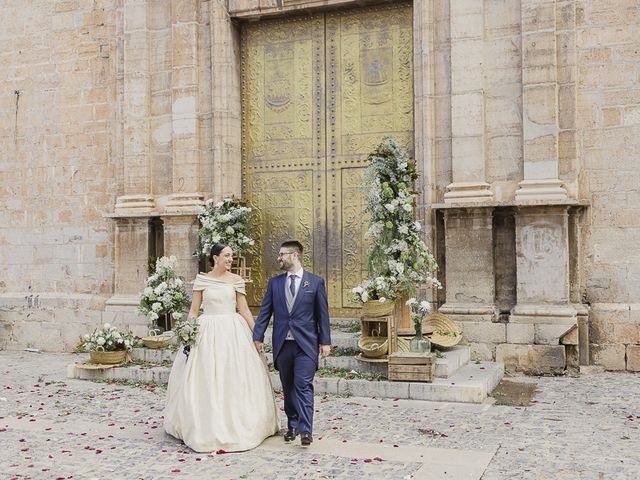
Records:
x=259, y=346
x=325, y=350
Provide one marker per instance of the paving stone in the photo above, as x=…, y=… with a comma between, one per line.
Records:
x=575, y=428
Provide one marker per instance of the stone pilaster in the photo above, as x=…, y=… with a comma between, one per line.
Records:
x=540, y=122
x=467, y=104
x=185, y=30
x=137, y=196
x=132, y=237
x=226, y=103
x=470, y=294
x=180, y=237
x=543, y=313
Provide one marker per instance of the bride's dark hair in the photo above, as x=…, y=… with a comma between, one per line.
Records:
x=215, y=251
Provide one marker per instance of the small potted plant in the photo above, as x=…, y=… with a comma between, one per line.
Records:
x=108, y=345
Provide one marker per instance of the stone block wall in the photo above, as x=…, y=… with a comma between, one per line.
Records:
x=608, y=116
x=133, y=106
x=59, y=168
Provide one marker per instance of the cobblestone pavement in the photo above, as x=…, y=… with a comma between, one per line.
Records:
x=576, y=428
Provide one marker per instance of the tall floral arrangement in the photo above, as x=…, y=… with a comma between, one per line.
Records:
x=227, y=222
x=399, y=260
x=164, y=292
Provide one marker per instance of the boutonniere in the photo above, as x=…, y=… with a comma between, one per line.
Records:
x=306, y=284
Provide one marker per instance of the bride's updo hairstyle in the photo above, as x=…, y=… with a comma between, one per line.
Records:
x=215, y=251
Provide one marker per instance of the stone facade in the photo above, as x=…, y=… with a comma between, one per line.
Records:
x=120, y=117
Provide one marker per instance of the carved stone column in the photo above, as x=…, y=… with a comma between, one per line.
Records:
x=226, y=120
x=470, y=282
x=185, y=30
x=467, y=104
x=180, y=237
x=137, y=196
x=540, y=123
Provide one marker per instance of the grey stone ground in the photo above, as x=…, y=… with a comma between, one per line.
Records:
x=53, y=428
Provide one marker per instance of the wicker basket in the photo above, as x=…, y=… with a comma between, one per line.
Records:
x=373, y=347
x=108, y=358
x=404, y=344
x=446, y=333
x=375, y=308
x=156, y=341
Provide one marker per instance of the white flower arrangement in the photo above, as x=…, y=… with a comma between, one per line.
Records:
x=398, y=254
x=227, y=222
x=164, y=292
x=108, y=339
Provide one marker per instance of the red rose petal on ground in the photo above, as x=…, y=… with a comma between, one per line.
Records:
x=220, y=451
x=181, y=460
x=367, y=460
x=98, y=451
x=314, y=462
x=3, y=429
x=176, y=470
x=198, y=459
x=164, y=450
x=377, y=459
x=354, y=461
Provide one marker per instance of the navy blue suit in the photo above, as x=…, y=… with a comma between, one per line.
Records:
x=296, y=360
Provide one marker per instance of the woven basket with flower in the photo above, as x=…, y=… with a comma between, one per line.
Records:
x=108, y=345
x=446, y=333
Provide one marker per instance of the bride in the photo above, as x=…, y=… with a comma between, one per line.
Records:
x=220, y=396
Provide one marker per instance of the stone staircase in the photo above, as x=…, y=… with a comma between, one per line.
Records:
x=457, y=379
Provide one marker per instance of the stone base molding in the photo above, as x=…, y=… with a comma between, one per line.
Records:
x=134, y=204
x=468, y=192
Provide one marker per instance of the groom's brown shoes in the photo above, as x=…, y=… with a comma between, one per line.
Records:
x=291, y=435
x=305, y=439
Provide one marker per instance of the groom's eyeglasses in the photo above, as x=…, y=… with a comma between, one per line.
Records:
x=282, y=254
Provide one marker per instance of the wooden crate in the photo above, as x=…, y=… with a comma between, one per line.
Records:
x=412, y=367
x=384, y=327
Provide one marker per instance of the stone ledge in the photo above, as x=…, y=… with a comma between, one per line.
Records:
x=453, y=359
x=471, y=384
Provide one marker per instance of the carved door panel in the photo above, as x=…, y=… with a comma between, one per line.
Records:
x=319, y=93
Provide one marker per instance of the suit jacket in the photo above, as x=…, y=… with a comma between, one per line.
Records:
x=308, y=320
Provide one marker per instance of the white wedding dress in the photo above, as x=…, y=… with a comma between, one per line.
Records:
x=220, y=397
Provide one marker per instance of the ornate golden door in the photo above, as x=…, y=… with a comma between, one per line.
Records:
x=319, y=93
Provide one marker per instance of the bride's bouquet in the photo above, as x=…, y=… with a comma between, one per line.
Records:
x=186, y=331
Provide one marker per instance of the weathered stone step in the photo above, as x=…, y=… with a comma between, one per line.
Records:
x=450, y=362
x=471, y=384
x=338, y=339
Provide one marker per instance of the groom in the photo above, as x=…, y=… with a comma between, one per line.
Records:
x=298, y=302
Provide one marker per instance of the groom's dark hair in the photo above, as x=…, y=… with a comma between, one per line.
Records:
x=294, y=245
